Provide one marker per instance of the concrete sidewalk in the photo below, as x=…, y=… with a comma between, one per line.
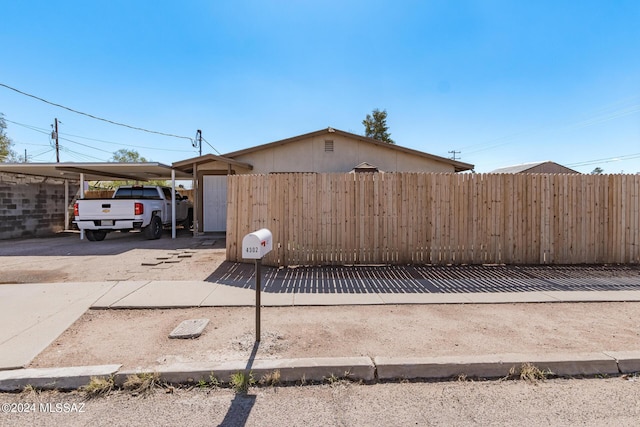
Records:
x=34, y=315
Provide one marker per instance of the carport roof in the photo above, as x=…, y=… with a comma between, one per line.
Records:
x=96, y=171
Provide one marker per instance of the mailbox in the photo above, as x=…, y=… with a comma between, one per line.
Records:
x=257, y=244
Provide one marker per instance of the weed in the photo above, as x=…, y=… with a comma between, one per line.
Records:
x=143, y=382
x=98, y=386
x=532, y=373
x=240, y=381
x=213, y=381
x=462, y=378
x=29, y=390
x=332, y=379
x=271, y=378
x=202, y=384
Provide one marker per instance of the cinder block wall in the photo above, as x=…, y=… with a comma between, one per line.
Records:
x=32, y=206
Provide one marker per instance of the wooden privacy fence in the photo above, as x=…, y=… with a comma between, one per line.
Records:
x=421, y=218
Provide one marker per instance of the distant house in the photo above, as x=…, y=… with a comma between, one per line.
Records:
x=536, y=167
x=323, y=151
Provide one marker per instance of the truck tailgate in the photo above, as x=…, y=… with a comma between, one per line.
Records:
x=92, y=209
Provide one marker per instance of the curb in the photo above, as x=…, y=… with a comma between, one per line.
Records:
x=495, y=366
x=291, y=370
x=354, y=368
x=54, y=378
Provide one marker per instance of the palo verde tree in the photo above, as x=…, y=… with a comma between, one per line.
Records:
x=6, y=153
x=375, y=126
x=127, y=156
x=124, y=155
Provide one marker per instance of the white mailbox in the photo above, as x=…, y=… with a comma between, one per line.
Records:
x=257, y=244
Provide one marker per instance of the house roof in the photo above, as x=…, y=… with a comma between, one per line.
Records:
x=187, y=165
x=365, y=167
x=524, y=167
x=95, y=171
x=458, y=166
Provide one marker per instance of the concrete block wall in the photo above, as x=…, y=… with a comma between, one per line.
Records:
x=32, y=206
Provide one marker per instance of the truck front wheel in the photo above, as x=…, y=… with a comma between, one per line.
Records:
x=154, y=229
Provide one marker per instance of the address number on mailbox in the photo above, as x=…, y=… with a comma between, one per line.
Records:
x=257, y=244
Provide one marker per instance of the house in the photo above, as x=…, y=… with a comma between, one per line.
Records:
x=536, y=167
x=324, y=151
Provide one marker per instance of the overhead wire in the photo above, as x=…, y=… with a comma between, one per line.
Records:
x=95, y=117
x=598, y=116
x=212, y=147
x=47, y=132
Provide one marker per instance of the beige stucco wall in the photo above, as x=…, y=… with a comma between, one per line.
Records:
x=309, y=156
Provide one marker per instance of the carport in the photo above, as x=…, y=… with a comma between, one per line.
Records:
x=83, y=172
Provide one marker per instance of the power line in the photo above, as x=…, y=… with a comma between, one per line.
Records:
x=85, y=145
x=47, y=132
x=92, y=116
x=212, y=147
x=606, y=160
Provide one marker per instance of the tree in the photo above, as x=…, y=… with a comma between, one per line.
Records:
x=597, y=171
x=6, y=153
x=375, y=126
x=124, y=155
x=127, y=156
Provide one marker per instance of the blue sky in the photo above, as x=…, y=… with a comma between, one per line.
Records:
x=504, y=82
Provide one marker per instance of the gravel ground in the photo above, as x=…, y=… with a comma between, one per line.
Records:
x=587, y=402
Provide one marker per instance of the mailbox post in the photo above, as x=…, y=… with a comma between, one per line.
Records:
x=255, y=246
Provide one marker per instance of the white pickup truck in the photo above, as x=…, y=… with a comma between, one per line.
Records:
x=146, y=208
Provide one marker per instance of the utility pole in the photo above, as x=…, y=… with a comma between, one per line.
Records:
x=198, y=141
x=55, y=135
x=454, y=152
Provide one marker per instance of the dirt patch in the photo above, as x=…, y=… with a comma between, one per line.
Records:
x=139, y=338
x=32, y=276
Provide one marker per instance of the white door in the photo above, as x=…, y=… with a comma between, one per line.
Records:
x=214, y=202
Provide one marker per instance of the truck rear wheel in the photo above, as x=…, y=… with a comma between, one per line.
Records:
x=95, y=235
x=188, y=222
x=154, y=229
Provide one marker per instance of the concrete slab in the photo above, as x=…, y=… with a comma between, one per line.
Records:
x=509, y=297
x=270, y=299
x=595, y=296
x=188, y=329
x=161, y=294
x=494, y=365
x=34, y=315
x=628, y=361
x=229, y=296
x=424, y=298
x=336, y=299
x=117, y=292
x=54, y=378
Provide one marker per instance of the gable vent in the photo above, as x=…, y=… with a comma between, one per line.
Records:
x=328, y=146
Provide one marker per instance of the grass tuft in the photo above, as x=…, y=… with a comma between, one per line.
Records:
x=271, y=378
x=532, y=373
x=144, y=382
x=98, y=386
x=241, y=381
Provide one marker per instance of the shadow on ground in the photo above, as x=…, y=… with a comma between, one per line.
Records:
x=430, y=279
